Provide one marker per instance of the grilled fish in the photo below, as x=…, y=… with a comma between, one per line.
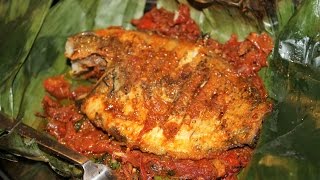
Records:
x=166, y=96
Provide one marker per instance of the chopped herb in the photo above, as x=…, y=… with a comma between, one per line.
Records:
x=78, y=125
x=171, y=172
x=157, y=178
x=114, y=164
x=160, y=178
x=65, y=102
x=102, y=159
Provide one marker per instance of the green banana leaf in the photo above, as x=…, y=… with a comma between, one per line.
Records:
x=20, y=22
x=46, y=29
x=33, y=34
x=290, y=138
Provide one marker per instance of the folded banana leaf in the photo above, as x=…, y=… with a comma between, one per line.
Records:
x=33, y=34
x=290, y=138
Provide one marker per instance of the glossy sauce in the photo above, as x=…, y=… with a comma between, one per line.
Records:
x=166, y=23
x=70, y=126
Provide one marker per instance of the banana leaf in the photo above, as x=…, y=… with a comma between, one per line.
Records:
x=33, y=34
x=290, y=138
x=20, y=22
x=45, y=29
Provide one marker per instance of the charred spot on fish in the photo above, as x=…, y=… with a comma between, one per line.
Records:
x=114, y=132
x=126, y=88
x=220, y=114
x=185, y=75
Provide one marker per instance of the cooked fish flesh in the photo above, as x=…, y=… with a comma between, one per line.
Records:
x=166, y=96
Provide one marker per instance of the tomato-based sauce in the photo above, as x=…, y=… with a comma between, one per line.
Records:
x=166, y=23
x=248, y=56
x=71, y=127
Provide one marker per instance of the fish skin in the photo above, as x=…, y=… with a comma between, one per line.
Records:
x=168, y=97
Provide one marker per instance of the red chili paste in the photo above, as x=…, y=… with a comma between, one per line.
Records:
x=166, y=23
x=72, y=128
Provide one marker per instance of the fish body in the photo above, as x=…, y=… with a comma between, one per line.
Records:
x=166, y=96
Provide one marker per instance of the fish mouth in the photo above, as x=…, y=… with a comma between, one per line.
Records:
x=84, y=59
x=88, y=64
